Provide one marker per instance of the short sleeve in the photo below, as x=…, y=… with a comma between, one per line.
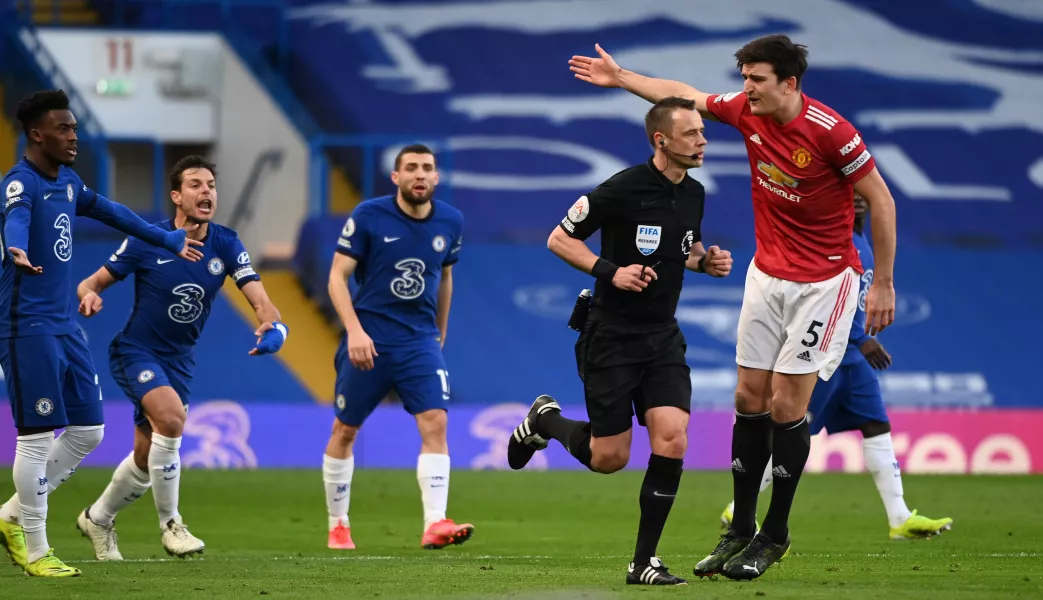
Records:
x=19, y=190
x=85, y=197
x=354, y=237
x=454, y=252
x=591, y=212
x=125, y=260
x=847, y=152
x=242, y=271
x=727, y=108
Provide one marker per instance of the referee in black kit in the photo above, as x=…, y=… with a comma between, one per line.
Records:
x=630, y=352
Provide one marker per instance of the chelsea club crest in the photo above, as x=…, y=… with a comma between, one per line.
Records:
x=216, y=266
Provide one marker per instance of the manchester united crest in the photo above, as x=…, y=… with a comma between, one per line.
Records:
x=801, y=157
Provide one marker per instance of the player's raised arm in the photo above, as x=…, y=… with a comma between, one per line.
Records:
x=603, y=71
x=95, y=206
x=361, y=350
x=880, y=299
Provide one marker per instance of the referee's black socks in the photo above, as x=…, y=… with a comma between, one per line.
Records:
x=657, y=497
x=790, y=450
x=751, y=451
x=573, y=435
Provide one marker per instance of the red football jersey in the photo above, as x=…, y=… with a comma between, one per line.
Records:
x=803, y=177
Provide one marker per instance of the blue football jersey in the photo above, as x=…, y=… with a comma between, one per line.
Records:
x=858, y=325
x=42, y=304
x=400, y=261
x=172, y=297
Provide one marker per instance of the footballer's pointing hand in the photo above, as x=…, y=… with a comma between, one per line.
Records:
x=361, y=350
x=880, y=306
x=634, y=278
x=90, y=305
x=21, y=262
x=602, y=71
x=718, y=262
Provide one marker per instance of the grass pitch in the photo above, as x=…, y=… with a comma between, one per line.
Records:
x=541, y=535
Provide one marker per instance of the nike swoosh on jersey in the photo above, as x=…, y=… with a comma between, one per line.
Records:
x=160, y=261
x=390, y=239
x=46, y=196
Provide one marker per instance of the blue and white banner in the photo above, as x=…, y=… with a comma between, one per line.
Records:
x=944, y=92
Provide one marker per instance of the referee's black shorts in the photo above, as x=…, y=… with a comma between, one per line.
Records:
x=628, y=368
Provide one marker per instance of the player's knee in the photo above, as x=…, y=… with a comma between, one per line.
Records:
x=84, y=439
x=343, y=435
x=170, y=423
x=609, y=460
x=875, y=428
x=787, y=408
x=751, y=401
x=432, y=425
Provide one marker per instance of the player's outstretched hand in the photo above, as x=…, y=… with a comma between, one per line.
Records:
x=189, y=246
x=601, y=71
x=634, y=278
x=21, y=262
x=270, y=338
x=880, y=307
x=718, y=262
x=875, y=354
x=90, y=305
x=361, y=350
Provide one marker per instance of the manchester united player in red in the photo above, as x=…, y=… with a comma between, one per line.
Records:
x=802, y=285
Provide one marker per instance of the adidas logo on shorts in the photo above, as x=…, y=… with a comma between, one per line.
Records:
x=805, y=356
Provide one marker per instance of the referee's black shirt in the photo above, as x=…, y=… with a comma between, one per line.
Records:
x=644, y=219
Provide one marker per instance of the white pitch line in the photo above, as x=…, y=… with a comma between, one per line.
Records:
x=465, y=557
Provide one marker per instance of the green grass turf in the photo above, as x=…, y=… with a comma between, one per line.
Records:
x=541, y=535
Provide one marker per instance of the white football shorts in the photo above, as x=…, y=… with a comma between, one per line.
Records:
x=795, y=328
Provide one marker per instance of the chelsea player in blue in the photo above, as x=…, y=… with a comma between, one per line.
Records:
x=152, y=358
x=50, y=377
x=401, y=250
x=851, y=400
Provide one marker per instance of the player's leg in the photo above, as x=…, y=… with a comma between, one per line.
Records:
x=129, y=482
x=726, y=514
x=81, y=397
x=663, y=403
x=759, y=341
x=760, y=338
x=167, y=414
x=357, y=394
x=864, y=410
x=34, y=369
x=817, y=318
x=422, y=382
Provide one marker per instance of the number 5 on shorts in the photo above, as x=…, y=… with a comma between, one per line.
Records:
x=813, y=331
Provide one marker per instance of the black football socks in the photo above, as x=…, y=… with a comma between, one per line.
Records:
x=751, y=451
x=790, y=449
x=658, y=490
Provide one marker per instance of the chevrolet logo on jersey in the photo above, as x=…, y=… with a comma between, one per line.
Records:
x=776, y=175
